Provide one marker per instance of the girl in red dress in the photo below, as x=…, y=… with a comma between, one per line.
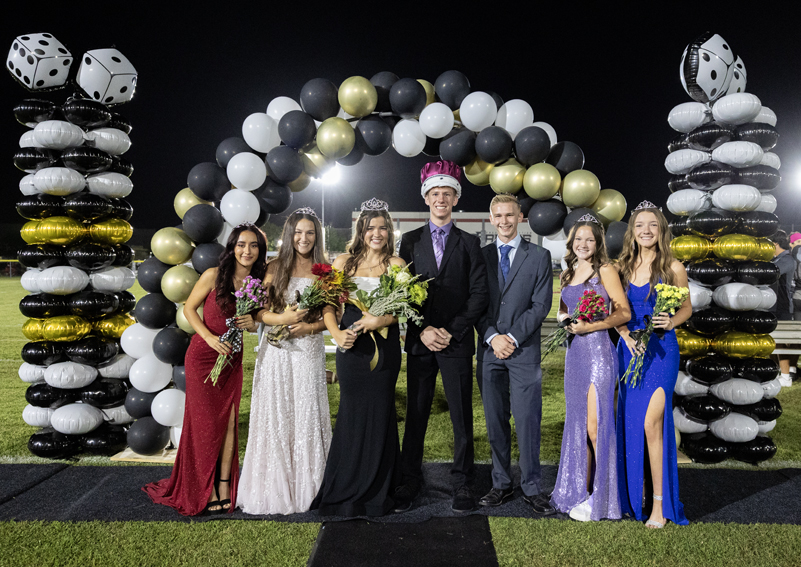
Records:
x=206, y=471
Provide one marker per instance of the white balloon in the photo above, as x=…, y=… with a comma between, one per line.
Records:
x=246, y=171
x=58, y=181
x=114, y=278
x=688, y=201
x=739, y=77
x=149, y=374
x=167, y=407
x=110, y=184
x=738, y=154
x=766, y=426
x=407, y=138
x=30, y=280
x=27, y=140
x=70, y=375
x=137, y=341
x=31, y=373
x=686, y=386
x=768, y=299
x=261, y=132
x=557, y=247
x=700, y=296
x=26, y=186
x=767, y=203
x=737, y=108
x=239, y=206
x=76, y=419
x=738, y=391
x=735, y=427
x=58, y=134
x=118, y=415
x=117, y=367
x=228, y=228
x=37, y=417
x=766, y=116
x=548, y=130
x=436, y=120
x=110, y=140
x=737, y=198
x=62, y=280
x=737, y=296
x=688, y=116
x=175, y=436
x=687, y=424
x=771, y=160
x=281, y=105
x=682, y=161
x=771, y=388
x=477, y=111
x=514, y=115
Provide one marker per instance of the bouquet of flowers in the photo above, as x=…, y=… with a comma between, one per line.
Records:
x=332, y=287
x=668, y=299
x=590, y=307
x=249, y=297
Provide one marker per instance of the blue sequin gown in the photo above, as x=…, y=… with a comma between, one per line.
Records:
x=660, y=370
x=590, y=360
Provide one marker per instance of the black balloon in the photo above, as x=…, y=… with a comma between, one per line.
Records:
x=407, y=98
x=92, y=350
x=525, y=203
x=31, y=111
x=757, y=272
x=757, y=369
x=756, y=322
x=678, y=182
x=382, y=82
x=155, y=311
x=228, y=148
x=712, y=271
x=678, y=143
x=86, y=160
x=711, y=175
x=104, y=392
x=208, y=181
x=712, y=222
x=170, y=345
x=150, y=273
x=273, y=198
x=203, y=223
x=494, y=145
x=574, y=215
x=373, y=135
x=32, y=160
x=86, y=113
x=532, y=145
x=615, y=234
x=758, y=223
x=709, y=136
x=124, y=255
x=704, y=448
x=355, y=156
x=127, y=301
x=90, y=256
x=284, y=164
x=137, y=403
x=760, y=133
x=121, y=165
x=711, y=321
x=704, y=407
x=296, y=129
x=41, y=256
x=108, y=439
x=43, y=353
x=320, y=99
x=547, y=217
x=43, y=305
x=431, y=147
x=678, y=227
x=566, y=157
x=43, y=395
x=451, y=88
x=93, y=304
x=119, y=122
x=709, y=369
x=147, y=437
x=763, y=410
x=459, y=147
x=87, y=206
x=121, y=209
x=35, y=207
x=763, y=177
x=179, y=377
x=207, y=256
x=50, y=444
x=755, y=451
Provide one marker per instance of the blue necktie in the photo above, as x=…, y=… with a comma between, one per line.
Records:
x=505, y=249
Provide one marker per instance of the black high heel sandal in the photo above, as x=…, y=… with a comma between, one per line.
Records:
x=227, y=501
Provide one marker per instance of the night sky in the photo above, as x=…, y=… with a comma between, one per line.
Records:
x=603, y=78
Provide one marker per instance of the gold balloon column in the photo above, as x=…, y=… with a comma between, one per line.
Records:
x=78, y=263
x=722, y=174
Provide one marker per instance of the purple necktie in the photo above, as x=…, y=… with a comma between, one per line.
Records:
x=438, y=246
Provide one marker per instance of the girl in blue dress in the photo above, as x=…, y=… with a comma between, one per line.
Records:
x=645, y=414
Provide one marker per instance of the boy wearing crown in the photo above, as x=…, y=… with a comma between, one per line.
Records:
x=444, y=342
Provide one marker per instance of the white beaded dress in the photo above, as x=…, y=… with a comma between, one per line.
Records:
x=290, y=425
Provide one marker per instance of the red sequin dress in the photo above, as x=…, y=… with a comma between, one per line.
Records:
x=208, y=409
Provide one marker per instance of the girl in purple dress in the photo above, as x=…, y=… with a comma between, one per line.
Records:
x=586, y=485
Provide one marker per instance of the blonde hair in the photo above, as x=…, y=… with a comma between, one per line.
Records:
x=504, y=198
x=630, y=256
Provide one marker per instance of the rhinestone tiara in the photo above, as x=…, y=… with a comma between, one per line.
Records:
x=589, y=218
x=374, y=205
x=646, y=205
x=306, y=211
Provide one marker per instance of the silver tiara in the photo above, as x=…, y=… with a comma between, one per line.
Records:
x=374, y=205
x=306, y=211
x=589, y=218
x=646, y=205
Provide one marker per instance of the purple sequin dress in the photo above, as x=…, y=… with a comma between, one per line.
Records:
x=590, y=360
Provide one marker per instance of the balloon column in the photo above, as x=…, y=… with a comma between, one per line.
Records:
x=722, y=172
x=78, y=263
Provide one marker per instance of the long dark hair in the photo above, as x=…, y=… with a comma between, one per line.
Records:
x=225, y=271
x=630, y=256
x=598, y=259
x=281, y=267
x=358, y=249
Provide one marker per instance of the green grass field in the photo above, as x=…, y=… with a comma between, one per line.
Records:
x=517, y=541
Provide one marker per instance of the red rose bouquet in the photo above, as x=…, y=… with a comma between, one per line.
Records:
x=591, y=306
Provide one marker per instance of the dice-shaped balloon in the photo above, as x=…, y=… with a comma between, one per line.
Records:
x=39, y=61
x=706, y=67
x=107, y=76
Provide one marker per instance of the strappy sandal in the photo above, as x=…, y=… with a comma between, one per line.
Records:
x=653, y=524
x=227, y=501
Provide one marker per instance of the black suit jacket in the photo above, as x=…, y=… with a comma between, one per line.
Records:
x=457, y=296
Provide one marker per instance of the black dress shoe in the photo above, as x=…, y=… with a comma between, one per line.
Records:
x=497, y=496
x=404, y=496
x=541, y=504
x=463, y=501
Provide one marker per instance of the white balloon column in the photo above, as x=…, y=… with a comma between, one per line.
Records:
x=722, y=174
x=77, y=259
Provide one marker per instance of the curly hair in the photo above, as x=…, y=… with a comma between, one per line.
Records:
x=358, y=249
x=224, y=284
x=599, y=258
x=630, y=256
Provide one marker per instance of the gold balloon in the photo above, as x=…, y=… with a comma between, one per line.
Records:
x=688, y=248
x=60, y=230
x=765, y=345
x=610, y=206
x=65, y=328
x=335, y=138
x=177, y=283
x=507, y=177
x=300, y=183
x=457, y=116
x=171, y=246
x=32, y=329
x=691, y=344
x=30, y=232
x=183, y=324
x=766, y=250
x=185, y=200
x=430, y=92
x=111, y=231
x=357, y=96
x=542, y=181
x=581, y=188
x=315, y=164
x=114, y=326
x=736, y=344
x=478, y=172
x=736, y=247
